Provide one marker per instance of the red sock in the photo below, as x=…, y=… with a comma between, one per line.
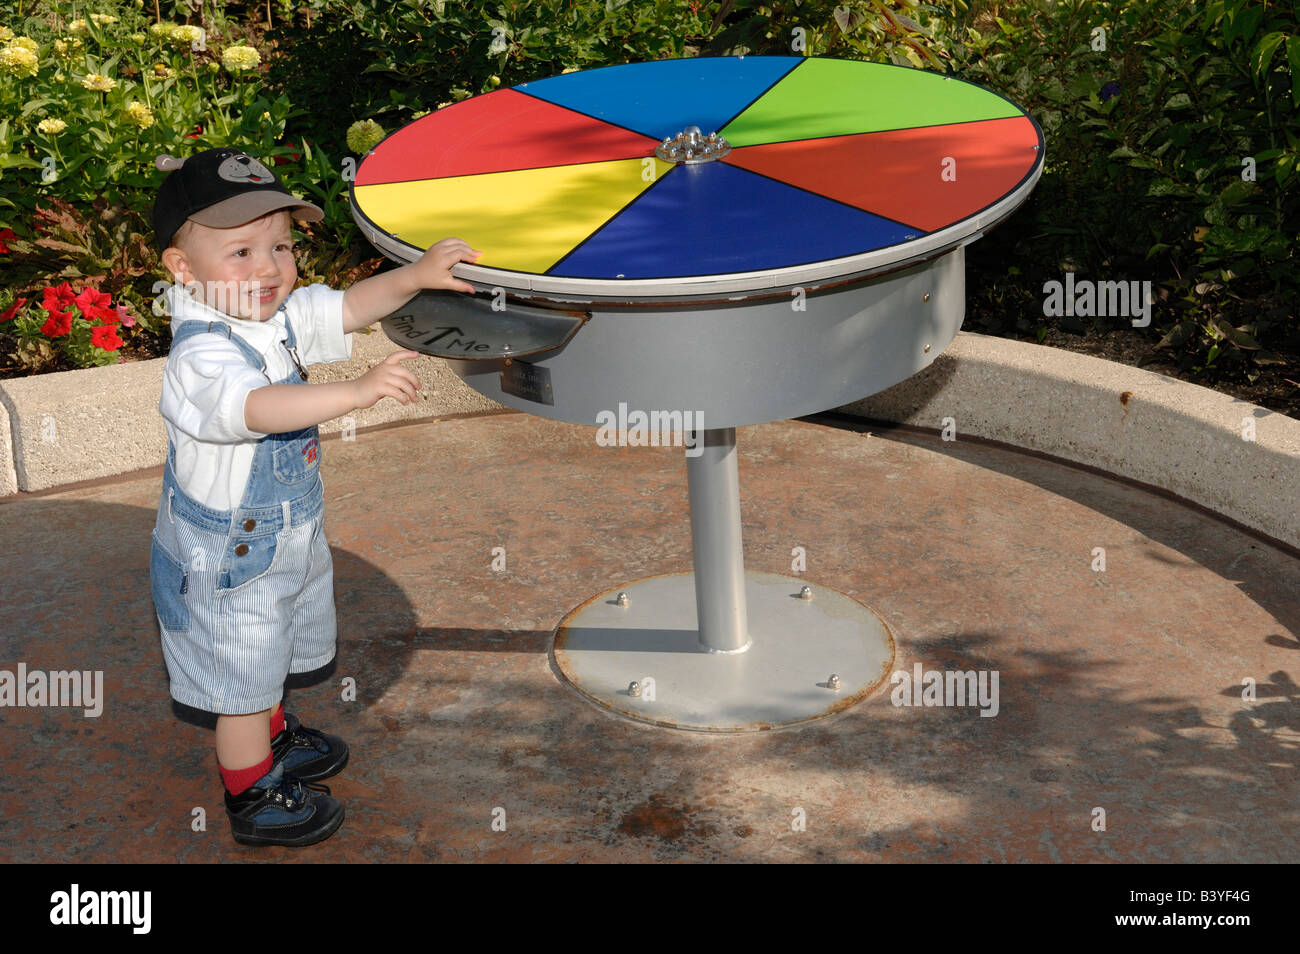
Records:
x=241, y=780
x=277, y=720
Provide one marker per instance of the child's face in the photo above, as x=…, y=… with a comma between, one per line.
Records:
x=246, y=272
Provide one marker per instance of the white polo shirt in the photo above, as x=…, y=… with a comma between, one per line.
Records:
x=207, y=379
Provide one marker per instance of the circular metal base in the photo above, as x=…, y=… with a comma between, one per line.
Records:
x=782, y=679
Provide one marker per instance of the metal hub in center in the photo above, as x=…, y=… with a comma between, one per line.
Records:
x=691, y=146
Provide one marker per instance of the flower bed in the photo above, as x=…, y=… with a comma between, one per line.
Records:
x=1172, y=130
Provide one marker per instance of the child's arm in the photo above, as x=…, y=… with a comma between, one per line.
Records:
x=277, y=408
x=367, y=301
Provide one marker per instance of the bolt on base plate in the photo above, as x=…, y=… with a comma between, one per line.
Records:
x=782, y=679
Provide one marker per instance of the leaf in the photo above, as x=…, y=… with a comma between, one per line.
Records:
x=847, y=20
x=35, y=104
x=1178, y=101
x=1244, y=24
x=1268, y=357
x=1174, y=337
x=1235, y=191
x=58, y=246
x=1293, y=60
x=1263, y=53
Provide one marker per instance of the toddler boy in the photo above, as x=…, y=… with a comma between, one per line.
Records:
x=240, y=569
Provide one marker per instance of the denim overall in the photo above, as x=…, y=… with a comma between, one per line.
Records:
x=245, y=596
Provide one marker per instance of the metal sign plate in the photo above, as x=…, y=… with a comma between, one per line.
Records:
x=529, y=381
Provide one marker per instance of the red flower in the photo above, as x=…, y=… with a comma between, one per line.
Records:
x=293, y=156
x=95, y=304
x=105, y=336
x=6, y=235
x=54, y=297
x=59, y=323
x=198, y=131
x=13, y=309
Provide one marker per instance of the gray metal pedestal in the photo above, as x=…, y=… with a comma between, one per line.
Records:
x=722, y=650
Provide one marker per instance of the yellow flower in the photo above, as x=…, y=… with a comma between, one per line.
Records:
x=186, y=35
x=163, y=72
x=6, y=34
x=17, y=61
x=98, y=82
x=26, y=42
x=51, y=127
x=103, y=18
x=139, y=114
x=161, y=30
x=65, y=48
x=138, y=39
x=364, y=135
x=239, y=58
x=78, y=26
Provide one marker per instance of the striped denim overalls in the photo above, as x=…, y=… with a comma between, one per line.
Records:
x=245, y=596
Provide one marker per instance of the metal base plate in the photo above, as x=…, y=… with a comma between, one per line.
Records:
x=601, y=647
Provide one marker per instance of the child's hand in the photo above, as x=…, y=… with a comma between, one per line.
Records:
x=433, y=269
x=388, y=379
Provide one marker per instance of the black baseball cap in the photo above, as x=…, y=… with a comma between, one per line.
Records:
x=220, y=188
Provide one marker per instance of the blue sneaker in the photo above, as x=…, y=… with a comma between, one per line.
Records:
x=282, y=810
x=306, y=754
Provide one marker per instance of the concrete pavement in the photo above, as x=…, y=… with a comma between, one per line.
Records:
x=1121, y=733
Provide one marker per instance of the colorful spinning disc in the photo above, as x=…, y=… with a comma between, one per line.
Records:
x=557, y=182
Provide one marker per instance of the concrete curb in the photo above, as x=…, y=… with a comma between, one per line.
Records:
x=78, y=425
x=1188, y=440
